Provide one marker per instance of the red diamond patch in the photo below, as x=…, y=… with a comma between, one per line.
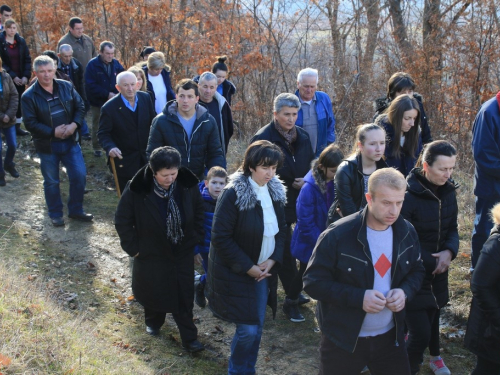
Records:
x=383, y=265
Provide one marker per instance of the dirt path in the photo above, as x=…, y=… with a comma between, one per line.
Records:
x=287, y=348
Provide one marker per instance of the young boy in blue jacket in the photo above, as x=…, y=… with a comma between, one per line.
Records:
x=215, y=182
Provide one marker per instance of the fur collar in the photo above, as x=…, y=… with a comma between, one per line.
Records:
x=142, y=182
x=318, y=178
x=246, y=199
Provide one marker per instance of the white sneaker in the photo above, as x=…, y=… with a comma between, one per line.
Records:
x=438, y=367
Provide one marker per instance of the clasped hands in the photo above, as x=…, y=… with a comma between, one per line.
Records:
x=374, y=301
x=66, y=130
x=261, y=271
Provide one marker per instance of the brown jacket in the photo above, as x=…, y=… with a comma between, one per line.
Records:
x=82, y=53
x=9, y=100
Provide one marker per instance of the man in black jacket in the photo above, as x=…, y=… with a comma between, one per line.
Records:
x=53, y=111
x=189, y=128
x=124, y=127
x=363, y=270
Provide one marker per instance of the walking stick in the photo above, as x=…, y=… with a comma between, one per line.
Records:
x=113, y=168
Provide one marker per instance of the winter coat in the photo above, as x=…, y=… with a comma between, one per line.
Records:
x=341, y=270
x=24, y=56
x=83, y=51
x=165, y=74
x=435, y=220
x=326, y=120
x=406, y=162
x=295, y=165
x=98, y=84
x=162, y=275
x=483, y=328
x=312, y=210
x=36, y=112
x=486, y=150
x=208, y=218
x=226, y=130
x=202, y=150
x=237, y=233
x=381, y=104
x=350, y=187
x=9, y=100
x=119, y=127
x=77, y=79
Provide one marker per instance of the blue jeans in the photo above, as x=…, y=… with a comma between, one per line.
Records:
x=246, y=340
x=482, y=226
x=84, y=130
x=10, y=139
x=70, y=155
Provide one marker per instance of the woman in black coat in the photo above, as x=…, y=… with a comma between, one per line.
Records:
x=295, y=144
x=430, y=204
x=17, y=62
x=483, y=329
x=248, y=236
x=160, y=220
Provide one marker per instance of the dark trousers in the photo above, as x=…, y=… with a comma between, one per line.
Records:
x=122, y=182
x=184, y=321
x=288, y=269
x=379, y=353
x=482, y=226
x=297, y=285
x=423, y=327
x=20, y=91
x=486, y=367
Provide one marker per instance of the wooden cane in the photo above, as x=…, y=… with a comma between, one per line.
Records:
x=113, y=168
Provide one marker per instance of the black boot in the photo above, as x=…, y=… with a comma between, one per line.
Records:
x=2, y=180
x=291, y=310
x=12, y=170
x=20, y=132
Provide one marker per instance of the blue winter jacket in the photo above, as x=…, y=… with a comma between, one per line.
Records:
x=312, y=212
x=326, y=120
x=208, y=217
x=98, y=84
x=486, y=150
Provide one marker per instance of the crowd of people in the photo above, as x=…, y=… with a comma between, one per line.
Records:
x=370, y=236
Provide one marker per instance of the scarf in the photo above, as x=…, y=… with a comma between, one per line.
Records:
x=289, y=137
x=174, y=221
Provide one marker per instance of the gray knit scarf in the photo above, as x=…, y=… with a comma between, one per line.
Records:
x=174, y=220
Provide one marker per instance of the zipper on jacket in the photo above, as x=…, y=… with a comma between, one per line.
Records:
x=359, y=260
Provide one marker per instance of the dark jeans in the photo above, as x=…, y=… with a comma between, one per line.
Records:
x=486, y=367
x=482, y=226
x=10, y=139
x=379, y=353
x=288, y=269
x=70, y=155
x=20, y=91
x=96, y=115
x=423, y=328
x=184, y=321
x=297, y=284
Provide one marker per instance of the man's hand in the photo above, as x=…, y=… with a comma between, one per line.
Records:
x=24, y=81
x=373, y=302
x=18, y=81
x=396, y=300
x=443, y=260
x=60, y=131
x=70, y=129
x=197, y=258
x=6, y=119
x=116, y=153
x=298, y=183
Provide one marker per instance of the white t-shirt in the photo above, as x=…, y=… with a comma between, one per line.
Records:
x=380, y=242
x=160, y=91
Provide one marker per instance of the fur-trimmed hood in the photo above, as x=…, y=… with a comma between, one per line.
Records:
x=246, y=199
x=142, y=182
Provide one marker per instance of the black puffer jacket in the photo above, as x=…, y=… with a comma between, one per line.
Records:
x=202, y=150
x=483, y=329
x=435, y=220
x=36, y=112
x=295, y=165
x=24, y=57
x=350, y=188
x=381, y=104
x=162, y=278
x=341, y=270
x=237, y=232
